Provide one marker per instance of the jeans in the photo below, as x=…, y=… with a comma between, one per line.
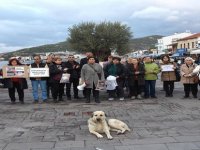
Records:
x=150, y=86
x=35, y=84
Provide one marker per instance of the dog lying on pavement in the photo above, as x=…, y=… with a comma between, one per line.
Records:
x=97, y=124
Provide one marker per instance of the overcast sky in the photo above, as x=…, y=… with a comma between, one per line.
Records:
x=27, y=23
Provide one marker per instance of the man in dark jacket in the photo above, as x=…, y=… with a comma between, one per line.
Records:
x=73, y=68
x=38, y=81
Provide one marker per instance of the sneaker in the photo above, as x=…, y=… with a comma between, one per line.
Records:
x=121, y=98
x=111, y=99
x=133, y=97
x=139, y=96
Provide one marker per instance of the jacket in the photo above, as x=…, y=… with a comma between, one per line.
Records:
x=168, y=75
x=91, y=73
x=8, y=83
x=131, y=76
x=72, y=70
x=151, y=71
x=186, y=70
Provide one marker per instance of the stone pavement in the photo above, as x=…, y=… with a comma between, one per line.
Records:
x=161, y=124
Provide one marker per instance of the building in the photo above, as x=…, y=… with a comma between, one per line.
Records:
x=190, y=43
x=169, y=43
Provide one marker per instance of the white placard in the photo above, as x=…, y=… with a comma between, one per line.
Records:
x=39, y=72
x=167, y=67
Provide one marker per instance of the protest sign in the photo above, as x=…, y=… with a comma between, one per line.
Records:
x=15, y=71
x=39, y=72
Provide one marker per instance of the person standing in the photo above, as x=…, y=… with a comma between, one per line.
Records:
x=38, y=81
x=135, y=78
x=84, y=61
x=151, y=71
x=118, y=70
x=91, y=73
x=73, y=68
x=56, y=70
x=15, y=83
x=188, y=77
x=168, y=77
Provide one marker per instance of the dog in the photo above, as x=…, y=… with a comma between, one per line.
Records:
x=97, y=125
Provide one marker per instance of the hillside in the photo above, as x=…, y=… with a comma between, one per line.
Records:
x=135, y=44
x=144, y=42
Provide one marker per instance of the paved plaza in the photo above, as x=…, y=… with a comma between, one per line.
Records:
x=156, y=124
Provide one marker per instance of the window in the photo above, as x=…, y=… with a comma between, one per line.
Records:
x=181, y=46
x=184, y=45
x=192, y=44
x=188, y=46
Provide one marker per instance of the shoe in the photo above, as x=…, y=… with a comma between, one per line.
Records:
x=133, y=97
x=139, y=96
x=76, y=97
x=22, y=102
x=87, y=101
x=194, y=96
x=60, y=99
x=35, y=102
x=153, y=97
x=184, y=97
x=45, y=101
x=13, y=102
x=110, y=99
x=121, y=98
x=55, y=100
x=97, y=101
x=69, y=98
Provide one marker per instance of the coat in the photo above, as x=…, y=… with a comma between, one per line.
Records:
x=186, y=70
x=91, y=73
x=168, y=75
x=72, y=70
x=131, y=74
x=55, y=73
x=151, y=71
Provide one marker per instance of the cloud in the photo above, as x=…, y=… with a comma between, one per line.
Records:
x=34, y=22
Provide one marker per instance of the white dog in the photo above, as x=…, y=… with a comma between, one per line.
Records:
x=97, y=124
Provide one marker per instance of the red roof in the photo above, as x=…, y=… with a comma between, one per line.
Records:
x=190, y=37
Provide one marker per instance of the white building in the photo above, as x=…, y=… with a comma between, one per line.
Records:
x=166, y=43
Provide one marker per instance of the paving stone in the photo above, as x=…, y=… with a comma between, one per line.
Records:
x=68, y=144
x=27, y=146
x=188, y=138
x=150, y=147
x=181, y=146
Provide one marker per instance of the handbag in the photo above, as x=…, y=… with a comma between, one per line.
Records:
x=196, y=79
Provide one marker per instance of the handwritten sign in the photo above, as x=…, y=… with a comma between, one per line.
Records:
x=39, y=72
x=167, y=67
x=15, y=71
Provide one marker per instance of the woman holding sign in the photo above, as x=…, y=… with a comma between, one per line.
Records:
x=168, y=75
x=15, y=83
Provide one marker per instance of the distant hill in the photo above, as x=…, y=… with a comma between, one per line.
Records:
x=144, y=42
x=135, y=44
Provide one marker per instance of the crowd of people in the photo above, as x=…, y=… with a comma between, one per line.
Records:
x=138, y=75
